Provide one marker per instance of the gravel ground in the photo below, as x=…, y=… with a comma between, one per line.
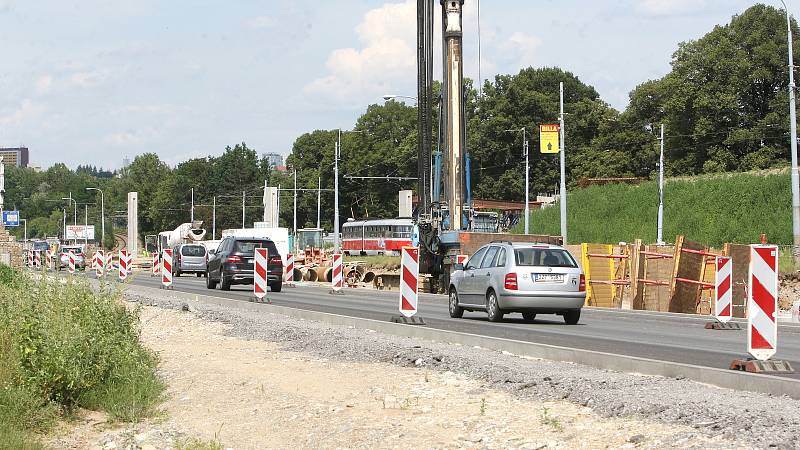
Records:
x=742, y=419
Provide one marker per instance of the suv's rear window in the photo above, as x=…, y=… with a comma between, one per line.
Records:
x=193, y=250
x=547, y=257
x=248, y=247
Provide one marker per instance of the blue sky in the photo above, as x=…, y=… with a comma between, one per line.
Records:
x=95, y=81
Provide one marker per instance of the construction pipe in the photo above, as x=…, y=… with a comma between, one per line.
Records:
x=297, y=274
x=368, y=277
x=309, y=274
x=328, y=274
x=321, y=273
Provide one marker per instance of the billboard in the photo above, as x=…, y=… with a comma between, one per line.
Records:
x=80, y=232
x=11, y=218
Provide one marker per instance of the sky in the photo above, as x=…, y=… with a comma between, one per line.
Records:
x=97, y=81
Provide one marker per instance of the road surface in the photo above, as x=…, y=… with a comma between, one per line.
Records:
x=660, y=336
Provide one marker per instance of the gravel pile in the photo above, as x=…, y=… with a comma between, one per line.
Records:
x=746, y=419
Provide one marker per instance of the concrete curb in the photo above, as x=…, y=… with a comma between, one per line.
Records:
x=718, y=377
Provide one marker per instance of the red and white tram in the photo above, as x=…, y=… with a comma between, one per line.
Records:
x=376, y=237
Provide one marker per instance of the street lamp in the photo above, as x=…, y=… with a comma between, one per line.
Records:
x=527, y=171
x=336, y=156
x=795, y=178
x=388, y=97
x=102, y=215
x=72, y=200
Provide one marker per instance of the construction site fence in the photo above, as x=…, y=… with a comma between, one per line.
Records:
x=677, y=277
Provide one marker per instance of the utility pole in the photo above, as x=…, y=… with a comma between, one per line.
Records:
x=294, y=221
x=214, y=219
x=795, y=178
x=660, y=237
x=336, y=192
x=527, y=179
x=192, y=216
x=244, y=193
x=86, y=225
x=319, y=200
x=563, y=194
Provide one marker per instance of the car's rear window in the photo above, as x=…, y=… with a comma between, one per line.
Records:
x=546, y=257
x=248, y=247
x=193, y=250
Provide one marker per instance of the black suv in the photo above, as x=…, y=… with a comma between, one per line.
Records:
x=232, y=263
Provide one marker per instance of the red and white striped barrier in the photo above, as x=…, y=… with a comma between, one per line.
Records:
x=289, y=269
x=124, y=261
x=260, y=273
x=337, y=277
x=71, y=259
x=109, y=263
x=94, y=262
x=99, y=263
x=155, y=267
x=461, y=259
x=762, y=302
x=30, y=259
x=166, y=269
x=37, y=259
x=49, y=259
x=723, y=288
x=409, y=269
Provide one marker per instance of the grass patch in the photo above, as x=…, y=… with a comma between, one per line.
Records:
x=377, y=261
x=734, y=208
x=65, y=346
x=199, y=444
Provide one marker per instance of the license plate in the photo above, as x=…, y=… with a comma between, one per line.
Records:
x=249, y=261
x=548, y=277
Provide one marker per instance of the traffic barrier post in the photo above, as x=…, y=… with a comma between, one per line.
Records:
x=409, y=287
x=166, y=269
x=49, y=259
x=99, y=266
x=762, y=309
x=123, y=265
x=337, y=277
x=109, y=263
x=290, y=270
x=461, y=259
x=37, y=259
x=260, y=268
x=155, y=263
x=723, y=290
x=71, y=267
x=30, y=259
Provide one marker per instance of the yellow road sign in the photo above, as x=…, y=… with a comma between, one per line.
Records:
x=548, y=138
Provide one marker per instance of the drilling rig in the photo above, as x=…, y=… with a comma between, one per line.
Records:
x=444, y=214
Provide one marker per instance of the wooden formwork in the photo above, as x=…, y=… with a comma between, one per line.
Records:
x=653, y=275
x=607, y=270
x=740, y=257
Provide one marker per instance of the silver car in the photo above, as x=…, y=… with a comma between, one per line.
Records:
x=506, y=277
x=189, y=258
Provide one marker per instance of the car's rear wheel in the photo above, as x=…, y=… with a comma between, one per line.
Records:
x=210, y=283
x=493, y=307
x=456, y=312
x=528, y=316
x=224, y=284
x=572, y=317
x=276, y=287
x=199, y=274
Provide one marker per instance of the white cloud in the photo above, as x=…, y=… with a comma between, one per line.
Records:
x=130, y=137
x=25, y=112
x=385, y=62
x=43, y=84
x=261, y=22
x=660, y=8
x=89, y=79
x=522, y=48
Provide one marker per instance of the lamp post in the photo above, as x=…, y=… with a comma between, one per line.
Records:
x=336, y=156
x=527, y=173
x=102, y=215
x=75, y=220
x=795, y=178
x=388, y=97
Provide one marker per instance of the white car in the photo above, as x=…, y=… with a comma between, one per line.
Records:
x=506, y=277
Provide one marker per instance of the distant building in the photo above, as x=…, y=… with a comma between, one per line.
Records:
x=275, y=160
x=15, y=156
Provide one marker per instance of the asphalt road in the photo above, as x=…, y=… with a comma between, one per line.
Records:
x=666, y=337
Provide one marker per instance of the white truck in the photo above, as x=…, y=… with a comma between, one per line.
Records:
x=186, y=233
x=280, y=236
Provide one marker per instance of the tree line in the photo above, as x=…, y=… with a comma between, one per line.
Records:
x=723, y=105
